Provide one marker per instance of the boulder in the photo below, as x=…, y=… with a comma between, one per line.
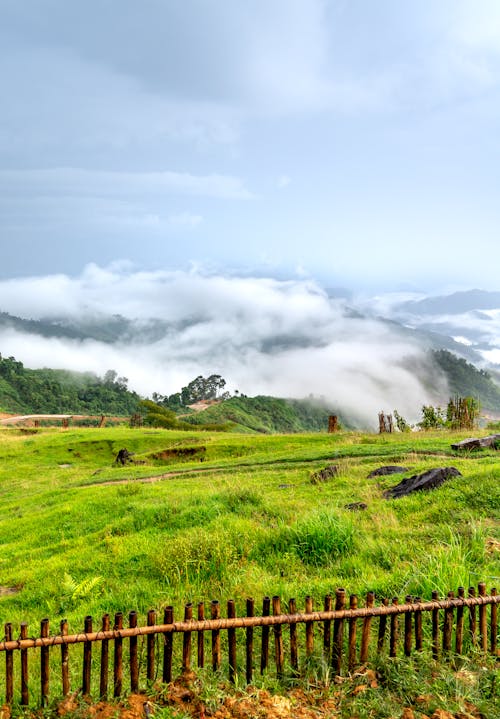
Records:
x=323, y=475
x=388, y=469
x=477, y=443
x=418, y=482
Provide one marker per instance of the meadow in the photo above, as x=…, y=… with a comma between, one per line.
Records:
x=203, y=516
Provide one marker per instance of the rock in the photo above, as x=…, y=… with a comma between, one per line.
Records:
x=323, y=475
x=389, y=469
x=428, y=480
x=477, y=443
x=356, y=506
x=124, y=456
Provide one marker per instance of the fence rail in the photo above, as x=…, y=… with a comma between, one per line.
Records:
x=341, y=649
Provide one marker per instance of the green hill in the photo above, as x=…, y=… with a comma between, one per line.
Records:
x=266, y=414
x=465, y=379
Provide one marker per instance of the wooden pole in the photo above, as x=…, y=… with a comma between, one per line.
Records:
x=24, y=668
x=103, y=679
x=418, y=628
x=201, y=637
x=44, y=664
x=64, y=659
x=294, y=654
x=87, y=659
x=472, y=618
x=353, y=604
x=494, y=624
x=118, y=657
x=9, y=666
x=309, y=628
x=186, y=641
x=327, y=629
x=338, y=633
x=150, y=648
x=278, y=640
x=408, y=632
x=483, y=619
x=231, y=641
x=215, y=614
x=394, y=632
x=382, y=627
x=332, y=423
x=365, y=636
x=168, y=618
x=435, y=628
x=264, y=657
x=459, y=632
x=250, y=604
x=448, y=625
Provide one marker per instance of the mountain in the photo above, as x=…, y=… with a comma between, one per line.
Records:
x=454, y=304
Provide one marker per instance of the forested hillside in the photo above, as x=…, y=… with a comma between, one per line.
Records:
x=29, y=391
x=466, y=380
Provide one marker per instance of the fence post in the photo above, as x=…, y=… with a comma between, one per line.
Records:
x=278, y=639
x=309, y=628
x=448, y=625
x=231, y=641
x=382, y=627
x=435, y=628
x=215, y=614
x=87, y=658
x=117, y=658
x=338, y=633
x=264, y=657
x=327, y=629
x=494, y=624
x=408, y=637
x=9, y=666
x=186, y=641
x=294, y=654
x=365, y=636
x=24, y=667
x=64, y=659
x=418, y=627
x=249, y=642
x=168, y=618
x=353, y=604
x=150, y=644
x=44, y=664
x=483, y=621
x=393, y=640
x=201, y=637
x=472, y=618
x=103, y=682
x=459, y=632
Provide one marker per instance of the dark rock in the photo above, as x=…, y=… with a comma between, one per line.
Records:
x=356, y=506
x=428, y=480
x=389, y=469
x=323, y=475
x=123, y=456
x=477, y=443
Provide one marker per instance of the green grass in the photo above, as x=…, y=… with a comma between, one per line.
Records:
x=81, y=535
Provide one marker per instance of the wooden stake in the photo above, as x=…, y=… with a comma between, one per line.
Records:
x=408, y=632
x=249, y=642
x=448, y=625
x=472, y=618
x=9, y=666
x=264, y=657
x=394, y=633
x=494, y=624
x=435, y=628
x=365, y=636
x=278, y=640
x=87, y=659
x=327, y=629
x=44, y=664
x=231, y=641
x=338, y=633
x=24, y=667
x=215, y=614
x=382, y=627
x=459, y=632
x=309, y=628
x=483, y=620
x=294, y=654
x=150, y=648
x=418, y=628
x=117, y=658
x=186, y=641
x=103, y=679
x=353, y=604
x=64, y=659
x=168, y=618
x=201, y=637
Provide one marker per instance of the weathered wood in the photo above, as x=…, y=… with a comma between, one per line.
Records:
x=231, y=641
x=9, y=666
x=186, y=641
x=63, y=629
x=279, y=654
x=250, y=605
x=459, y=631
x=44, y=665
x=87, y=659
x=351, y=656
x=493, y=624
x=201, y=637
x=309, y=628
x=332, y=423
x=408, y=629
x=448, y=626
x=103, y=678
x=118, y=657
x=394, y=631
x=435, y=628
x=382, y=625
x=216, y=657
x=264, y=657
x=327, y=629
x=150, y=648
x=365, y=636
x=338, y=633
x=24, y=668
x=133, y=658
x=294, y=654
x=483, y=619
x=418, y=628
x=472, y=618
x=168, y=618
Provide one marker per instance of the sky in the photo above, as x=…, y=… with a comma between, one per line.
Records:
x=351, y=142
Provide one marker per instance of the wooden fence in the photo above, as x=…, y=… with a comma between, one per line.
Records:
x=342, y=633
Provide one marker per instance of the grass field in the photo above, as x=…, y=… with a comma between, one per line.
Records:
x=206, y=516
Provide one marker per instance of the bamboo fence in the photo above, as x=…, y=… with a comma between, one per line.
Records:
x=347, y=633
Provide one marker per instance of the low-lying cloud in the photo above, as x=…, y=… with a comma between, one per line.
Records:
x=265, y=336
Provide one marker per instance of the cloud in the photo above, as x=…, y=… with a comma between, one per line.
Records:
x=284, y=338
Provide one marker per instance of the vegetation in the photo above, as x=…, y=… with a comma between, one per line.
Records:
x=466, y=380
x=81, y=535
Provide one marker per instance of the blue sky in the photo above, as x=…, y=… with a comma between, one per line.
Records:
x=354, y=142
